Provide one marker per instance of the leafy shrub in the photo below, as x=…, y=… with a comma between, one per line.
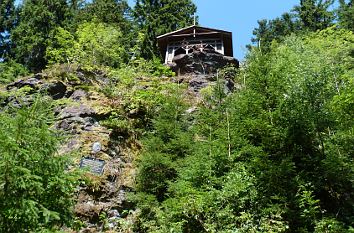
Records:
x=330, y=225
x=275, y=156
x=35, y=187
x=11, y=70
x=154, y=173
x=93, y=45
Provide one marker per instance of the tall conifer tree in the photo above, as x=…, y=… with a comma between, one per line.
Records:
x=346, y=14
x=37, y=19
x=7, y=22
x=309, y=16
x=115, y=12
x=314, y=14
x=36, y=189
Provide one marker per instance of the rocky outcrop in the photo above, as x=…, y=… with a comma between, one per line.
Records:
x=201, y=62
x=199, y=69
x=56, y=90
x=79, y=114
x=196, y=82
x=32, y=82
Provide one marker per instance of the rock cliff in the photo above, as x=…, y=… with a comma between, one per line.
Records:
x=81, y=110
x=87, y=113
x=203, y=62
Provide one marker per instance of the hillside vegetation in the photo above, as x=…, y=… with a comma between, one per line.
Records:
x=275, y=155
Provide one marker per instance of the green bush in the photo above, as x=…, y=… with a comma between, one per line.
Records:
x=275, y=156
x=93, y=45
x=154, y=173
x=11, y=70
x=36, y=190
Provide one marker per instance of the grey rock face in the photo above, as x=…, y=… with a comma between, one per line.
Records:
x=198, y=82
x=78, y=95
x=76, y=111
x=80, y=120
x=77, y=118
x=197, y=62
x=31, y=82
x=56, y=90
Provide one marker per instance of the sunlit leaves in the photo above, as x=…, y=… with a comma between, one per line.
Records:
x=275, y=156
x=35, y=188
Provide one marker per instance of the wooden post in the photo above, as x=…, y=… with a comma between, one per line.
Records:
x=228, y=132
x=194, y=27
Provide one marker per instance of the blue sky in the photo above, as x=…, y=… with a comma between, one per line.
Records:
x=238, y=16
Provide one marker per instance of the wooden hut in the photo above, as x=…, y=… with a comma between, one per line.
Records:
x=193, y=38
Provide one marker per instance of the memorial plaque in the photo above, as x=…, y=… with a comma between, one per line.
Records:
x=93, y=165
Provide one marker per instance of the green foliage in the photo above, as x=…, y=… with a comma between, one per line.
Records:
x=308, y=205
x=331, y=225
x=154, y=173
x=228, y=72
x=113, y=12
x=99, y=44
x=96, y=44
x=139, y=67
x=11, y=70
x=61, y=49
x=35, y=187
x=7, y=23
x=301, y=79
x=314, y=15
x=166, y=144
x=309, y=16
x=346, y=14
x=7, y=9
x=275, y=156
x=31, y=36
x=157, y=69
x=274, y=30
x=141, y=88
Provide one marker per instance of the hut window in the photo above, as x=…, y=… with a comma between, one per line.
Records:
x=180, y=51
